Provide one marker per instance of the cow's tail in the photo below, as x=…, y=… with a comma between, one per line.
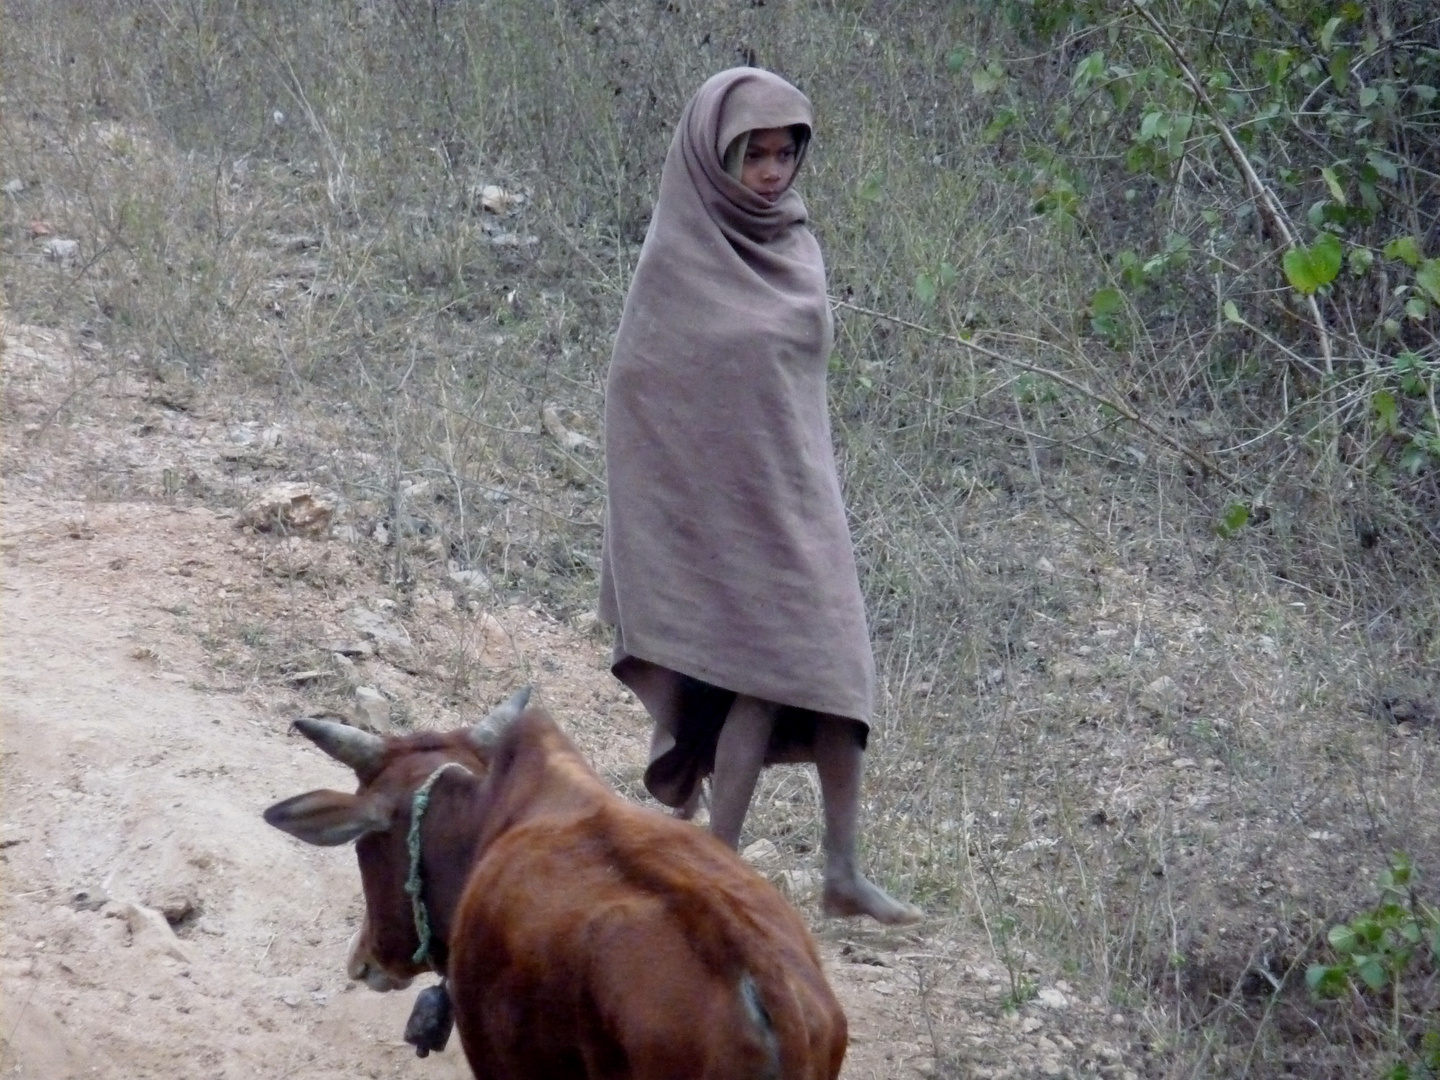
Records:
x=754, y=1007
x=793, y=1011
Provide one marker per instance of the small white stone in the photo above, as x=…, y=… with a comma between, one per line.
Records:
x=150, y=931
x=760, y=851
x=1052, y=998
x=373, y=710
x=474, y=581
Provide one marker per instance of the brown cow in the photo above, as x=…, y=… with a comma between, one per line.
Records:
x=582, y=936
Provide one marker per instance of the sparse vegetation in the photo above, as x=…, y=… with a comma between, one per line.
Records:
x=1154, y=573
x=1394, y=950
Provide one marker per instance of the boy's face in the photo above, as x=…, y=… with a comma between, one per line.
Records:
x=771, y=159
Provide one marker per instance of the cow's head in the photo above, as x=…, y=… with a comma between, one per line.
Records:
x=377, y=817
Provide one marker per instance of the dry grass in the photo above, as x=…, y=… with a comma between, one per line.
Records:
x=1108, y=737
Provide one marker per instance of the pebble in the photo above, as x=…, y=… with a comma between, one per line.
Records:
x=372, y=709
x=760, y=851
x=1162, y=696
x=471, y=580
x=65, y=252
x=799, y=884
x=1052, y=998
x=150, y=931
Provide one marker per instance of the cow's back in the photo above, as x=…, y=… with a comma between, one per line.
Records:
x=610, y=940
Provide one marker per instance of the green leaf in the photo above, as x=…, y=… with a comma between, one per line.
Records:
x=1428, y=278
x=1232, y=312
x=1388, y=413
x=1368, y=96
x=1339, y=68
x=1372, y=972
x=1327, y=35
x=989, y=78
x=1308, y=268
x=872, y=187
x=1327, y=980
x=958, y=58
x=1004, y=118
x=1179, y=132
x=1088, y=70
x=1424, y=92
x=1417, y=308
x=925, y=289
x=1342, y=939
x=1361, y=259
x=1404, y=248
x=1106, y=302
x=1383, y=165
x=948, y=274
x=1332, y=182
x=1233, y=520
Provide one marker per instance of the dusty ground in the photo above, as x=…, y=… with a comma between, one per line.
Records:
x=154, y=653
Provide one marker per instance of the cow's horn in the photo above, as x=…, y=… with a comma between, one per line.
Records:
x=350, y=746
x=486, y=733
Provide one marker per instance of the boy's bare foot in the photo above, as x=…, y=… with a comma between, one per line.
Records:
x=853, y=895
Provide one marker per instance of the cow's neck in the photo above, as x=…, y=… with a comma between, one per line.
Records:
x=449, y=837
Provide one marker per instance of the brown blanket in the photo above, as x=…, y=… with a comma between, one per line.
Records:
x=727, y=554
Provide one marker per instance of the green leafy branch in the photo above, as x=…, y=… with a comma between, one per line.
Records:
x=1265, y=200
x=1376, y=950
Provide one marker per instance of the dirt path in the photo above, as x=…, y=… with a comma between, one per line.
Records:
x=153, y=656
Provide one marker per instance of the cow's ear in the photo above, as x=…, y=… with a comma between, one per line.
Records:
x=328, y=818
x=486, y=734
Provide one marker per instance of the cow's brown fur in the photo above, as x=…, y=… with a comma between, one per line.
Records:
x=584, y=936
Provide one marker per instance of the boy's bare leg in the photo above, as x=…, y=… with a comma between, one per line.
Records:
x=738, y=757
x=840, y=762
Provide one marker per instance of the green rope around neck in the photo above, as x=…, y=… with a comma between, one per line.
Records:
x=418, y=805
